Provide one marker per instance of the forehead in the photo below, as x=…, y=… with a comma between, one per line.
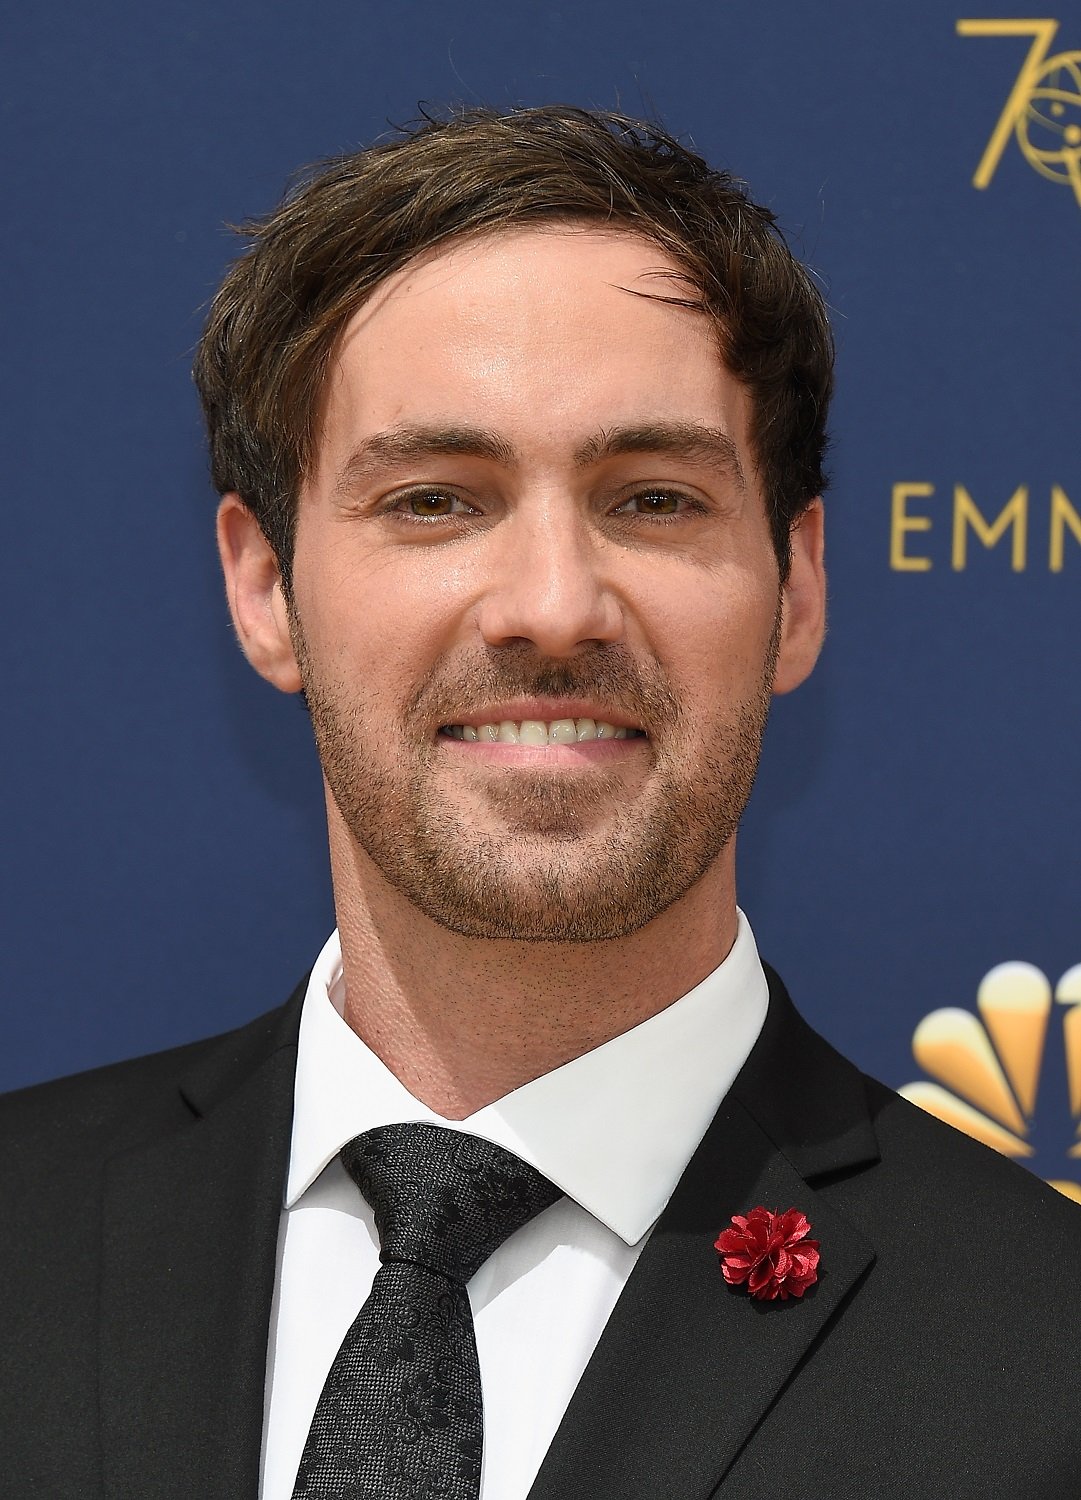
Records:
x=533, y=261
x=543, y=332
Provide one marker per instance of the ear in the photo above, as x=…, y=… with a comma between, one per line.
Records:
x=803, y=603
x=253, y=586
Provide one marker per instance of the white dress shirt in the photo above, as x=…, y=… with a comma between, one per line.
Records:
x=613, y=1129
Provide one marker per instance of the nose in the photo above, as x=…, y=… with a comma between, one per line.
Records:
x=547, y=586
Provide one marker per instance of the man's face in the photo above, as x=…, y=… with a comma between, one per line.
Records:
x=535, y=603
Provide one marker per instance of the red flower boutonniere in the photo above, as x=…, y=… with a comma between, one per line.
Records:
x=770, y=1253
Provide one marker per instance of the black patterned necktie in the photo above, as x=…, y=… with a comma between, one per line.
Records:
x=400, y=1416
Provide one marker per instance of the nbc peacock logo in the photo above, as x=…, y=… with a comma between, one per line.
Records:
x=1010, y=1076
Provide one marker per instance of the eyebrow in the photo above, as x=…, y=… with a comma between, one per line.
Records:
x=690, y=442
x=401, y=444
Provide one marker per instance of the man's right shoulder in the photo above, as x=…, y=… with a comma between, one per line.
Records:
x=95, y=1113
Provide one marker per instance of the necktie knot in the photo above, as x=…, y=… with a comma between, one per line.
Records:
x=401, y=1412
x=442, y=1199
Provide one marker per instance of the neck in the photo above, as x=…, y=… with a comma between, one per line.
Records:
x=463, y=1021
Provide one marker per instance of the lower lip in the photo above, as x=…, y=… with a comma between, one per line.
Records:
x=584, y=753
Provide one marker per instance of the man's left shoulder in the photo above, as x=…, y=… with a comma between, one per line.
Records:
x=902, y=1173
x=956, y=1228
x=941, y=1172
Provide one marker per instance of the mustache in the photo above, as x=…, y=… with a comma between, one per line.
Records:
x=605, y=672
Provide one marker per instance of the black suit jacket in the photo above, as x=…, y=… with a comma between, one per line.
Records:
x=938, y=1355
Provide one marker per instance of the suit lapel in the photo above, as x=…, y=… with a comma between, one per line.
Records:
x=687, y=1367
x=190, y=1231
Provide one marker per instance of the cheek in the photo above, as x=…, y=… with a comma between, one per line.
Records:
x=374, y=623
x=712, y=634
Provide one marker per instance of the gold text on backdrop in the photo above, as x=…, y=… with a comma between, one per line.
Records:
x=1042, y=110
x=1017, y=522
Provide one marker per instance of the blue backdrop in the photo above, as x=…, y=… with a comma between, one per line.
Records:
x=916, y=820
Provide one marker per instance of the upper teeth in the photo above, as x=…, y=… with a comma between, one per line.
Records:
x=537, y=732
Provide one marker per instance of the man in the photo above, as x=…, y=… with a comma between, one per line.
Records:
x=518, y=422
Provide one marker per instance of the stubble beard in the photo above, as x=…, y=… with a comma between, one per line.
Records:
x=557, y=874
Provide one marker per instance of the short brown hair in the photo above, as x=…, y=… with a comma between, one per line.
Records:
x=351, y=223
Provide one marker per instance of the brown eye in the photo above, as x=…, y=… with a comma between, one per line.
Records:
x=656, y=503
x=431, y=503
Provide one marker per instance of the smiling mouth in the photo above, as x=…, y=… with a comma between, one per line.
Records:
x=540, y=732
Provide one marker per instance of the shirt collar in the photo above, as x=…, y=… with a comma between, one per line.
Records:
x=613, y=1129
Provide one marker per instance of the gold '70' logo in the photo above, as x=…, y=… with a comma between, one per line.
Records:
x=1043, y=109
